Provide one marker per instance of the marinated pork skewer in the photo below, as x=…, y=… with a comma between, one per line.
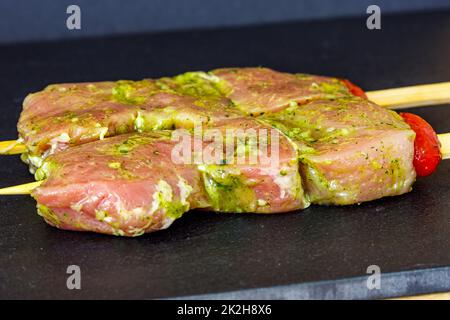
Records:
x=368, y=155
x=336, y=148
x=131, y=183
x=74, y=103
x=27, y=188
x=96, y=187
x=72, y=114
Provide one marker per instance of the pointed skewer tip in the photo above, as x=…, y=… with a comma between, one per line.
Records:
x=26, y=188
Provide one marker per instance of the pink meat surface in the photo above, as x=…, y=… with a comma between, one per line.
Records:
x=120, y=185
x=271, y=184
x=81, y=112
x=64, y=115
x=259, y=90
x=134, y=183
x=350, y=150
x=72, y=114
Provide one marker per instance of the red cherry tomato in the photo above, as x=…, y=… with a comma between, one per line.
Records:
x=354, y=89
x=427, y=154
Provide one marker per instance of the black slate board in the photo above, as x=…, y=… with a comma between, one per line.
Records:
x=322, y=252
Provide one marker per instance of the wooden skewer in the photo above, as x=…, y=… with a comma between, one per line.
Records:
x=12, y=147
x=444, y=139
x=398, y=98
x=414, y=96
x=21, y=188
x=28, y=187
x=430, y=296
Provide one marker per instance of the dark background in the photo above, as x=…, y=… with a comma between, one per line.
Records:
x=25, y=20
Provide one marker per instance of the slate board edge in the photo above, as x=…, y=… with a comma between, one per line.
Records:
x=395, y=284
